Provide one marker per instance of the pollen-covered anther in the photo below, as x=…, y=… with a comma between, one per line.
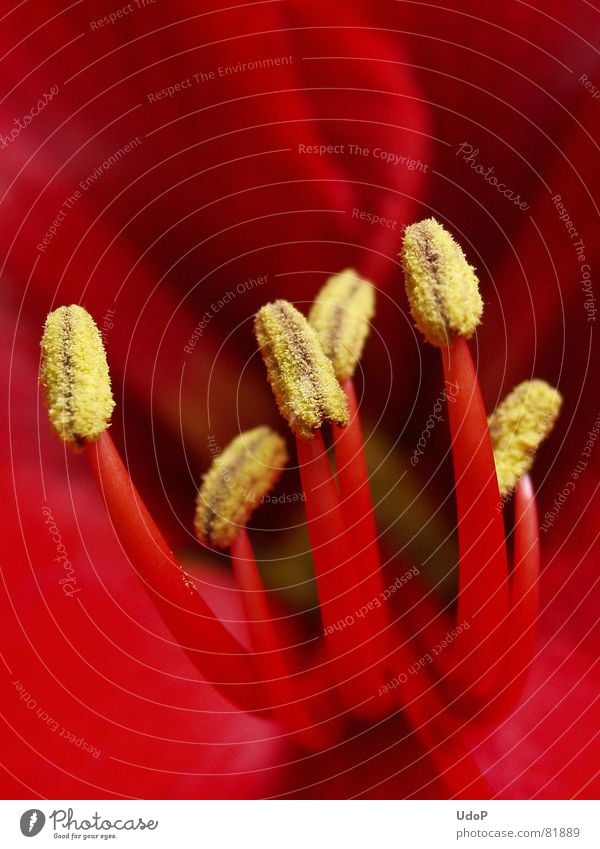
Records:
x=75, y=376
x=442, y=287
x=301, y=375
x=341, y=315
x=517, y=427
x=236, y=483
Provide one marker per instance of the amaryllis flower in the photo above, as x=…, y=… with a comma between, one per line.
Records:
x=172, y=171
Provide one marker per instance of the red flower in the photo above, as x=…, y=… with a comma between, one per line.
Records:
x=185, y=153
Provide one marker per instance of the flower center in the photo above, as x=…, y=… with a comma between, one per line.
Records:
x=310, y=366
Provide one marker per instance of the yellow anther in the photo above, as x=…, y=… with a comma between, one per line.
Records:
x=518, y=425
x=301, y=376
x=442, y=287
x=235, y=484
x=75, y=376
x=341, y=315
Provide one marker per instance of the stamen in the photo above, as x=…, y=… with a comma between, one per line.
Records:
x=520, y=628
x=238, y=479
x=341, y=315
x=77, y=381
x=302, y=377
x=233, y=487
x=75, y=377
x=442, y=287
x=308, y=394
x=518, y=426
x=445, y=303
